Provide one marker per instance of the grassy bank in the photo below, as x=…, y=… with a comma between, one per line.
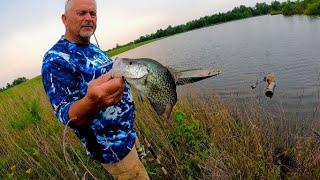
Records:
x=203, y=139
x=31, y=138
x=128, y=47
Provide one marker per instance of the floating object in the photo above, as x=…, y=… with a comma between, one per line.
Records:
x=271, y=84
x=254, y=85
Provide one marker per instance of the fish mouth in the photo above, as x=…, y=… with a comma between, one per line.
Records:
x=140, y=80
x=136, y=78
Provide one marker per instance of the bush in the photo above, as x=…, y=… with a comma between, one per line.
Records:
x=32, y=116
x=313, y=9
x=287, y=9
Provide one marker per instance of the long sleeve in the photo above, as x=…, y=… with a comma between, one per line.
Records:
x=61, y=84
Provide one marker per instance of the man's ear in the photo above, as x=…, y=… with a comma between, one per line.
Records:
x=64, y=18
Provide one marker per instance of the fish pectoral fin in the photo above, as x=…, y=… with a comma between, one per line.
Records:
x=140, y=98
x=175, y=73
x=158, y=107
x=165, y=109
x=168, y=110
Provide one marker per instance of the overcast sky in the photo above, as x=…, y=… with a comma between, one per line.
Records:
x=30, y=27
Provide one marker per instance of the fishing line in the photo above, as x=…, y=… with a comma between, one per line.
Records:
x=94, y=35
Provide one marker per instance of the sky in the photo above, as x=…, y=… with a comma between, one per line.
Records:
x=31, y=27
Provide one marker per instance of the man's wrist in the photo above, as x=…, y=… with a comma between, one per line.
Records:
x=88, y=102
x=82, y=111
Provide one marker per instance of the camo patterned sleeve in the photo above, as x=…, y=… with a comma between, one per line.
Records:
x=57, y=77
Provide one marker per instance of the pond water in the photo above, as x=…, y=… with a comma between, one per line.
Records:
x=246, y=50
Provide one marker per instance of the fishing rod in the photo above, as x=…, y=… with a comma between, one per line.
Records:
x=152, y=151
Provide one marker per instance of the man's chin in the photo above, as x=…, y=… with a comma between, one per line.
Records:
x=86, y=35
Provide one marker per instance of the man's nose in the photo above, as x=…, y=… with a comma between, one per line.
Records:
x=88, y=16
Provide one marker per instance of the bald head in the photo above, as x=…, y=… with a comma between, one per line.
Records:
x=68, y=5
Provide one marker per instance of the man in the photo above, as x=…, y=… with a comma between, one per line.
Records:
x=84, y=95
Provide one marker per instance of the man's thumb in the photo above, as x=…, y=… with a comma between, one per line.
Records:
x=104, y=78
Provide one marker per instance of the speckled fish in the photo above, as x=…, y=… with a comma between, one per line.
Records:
x=156, y=82
x=152, y=80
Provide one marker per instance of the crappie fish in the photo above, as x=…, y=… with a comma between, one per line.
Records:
x=156, y=82
x=152, y=80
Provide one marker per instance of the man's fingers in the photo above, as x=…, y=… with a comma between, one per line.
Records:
x=117, y=93
x=106, y=89
x=104, y=78
x=118, y=98
x=112, y=85
x=114, y=98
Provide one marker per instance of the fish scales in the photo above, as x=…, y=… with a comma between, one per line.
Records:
x=152, y=80
x=162, y=87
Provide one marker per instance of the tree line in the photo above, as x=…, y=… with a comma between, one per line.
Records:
x=308, y=7
x=14, y=83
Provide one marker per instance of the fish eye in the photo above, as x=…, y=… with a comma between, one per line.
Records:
x=130, y=63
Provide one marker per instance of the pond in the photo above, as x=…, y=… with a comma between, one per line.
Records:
x=246, y=50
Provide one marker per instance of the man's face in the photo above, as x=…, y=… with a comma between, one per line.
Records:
x=80, y=20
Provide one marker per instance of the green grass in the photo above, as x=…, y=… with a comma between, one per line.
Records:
x=275, y=12
x=201, y=140
x=31, y=145
x=128, y=47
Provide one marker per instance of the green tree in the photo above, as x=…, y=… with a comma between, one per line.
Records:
x=275, y=6
x=287, y=8
x=305, y=3
x=313, y=9
x=261, y=8
x=14, y=83
x=298, y=7
x=19, y=81
x=242, y=12
x=8, y=86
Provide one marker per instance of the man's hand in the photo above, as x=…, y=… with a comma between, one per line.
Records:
x=102, y=92
x=105, y=91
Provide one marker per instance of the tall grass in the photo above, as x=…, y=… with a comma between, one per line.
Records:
x=31, y=138
x=203, y=139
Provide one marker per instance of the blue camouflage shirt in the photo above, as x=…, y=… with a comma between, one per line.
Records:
x=66, y=71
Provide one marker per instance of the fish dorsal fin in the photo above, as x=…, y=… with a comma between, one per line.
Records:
x=175, y=73
x=168, y=110
x=190, y=75
x=140, y=98
x=159, y=108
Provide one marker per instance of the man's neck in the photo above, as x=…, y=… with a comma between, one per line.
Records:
x=77, y=40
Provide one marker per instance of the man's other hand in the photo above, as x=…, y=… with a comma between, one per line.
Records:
x=102, y=92
x=105, y=90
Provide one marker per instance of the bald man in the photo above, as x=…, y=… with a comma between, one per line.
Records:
x=77, y=80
